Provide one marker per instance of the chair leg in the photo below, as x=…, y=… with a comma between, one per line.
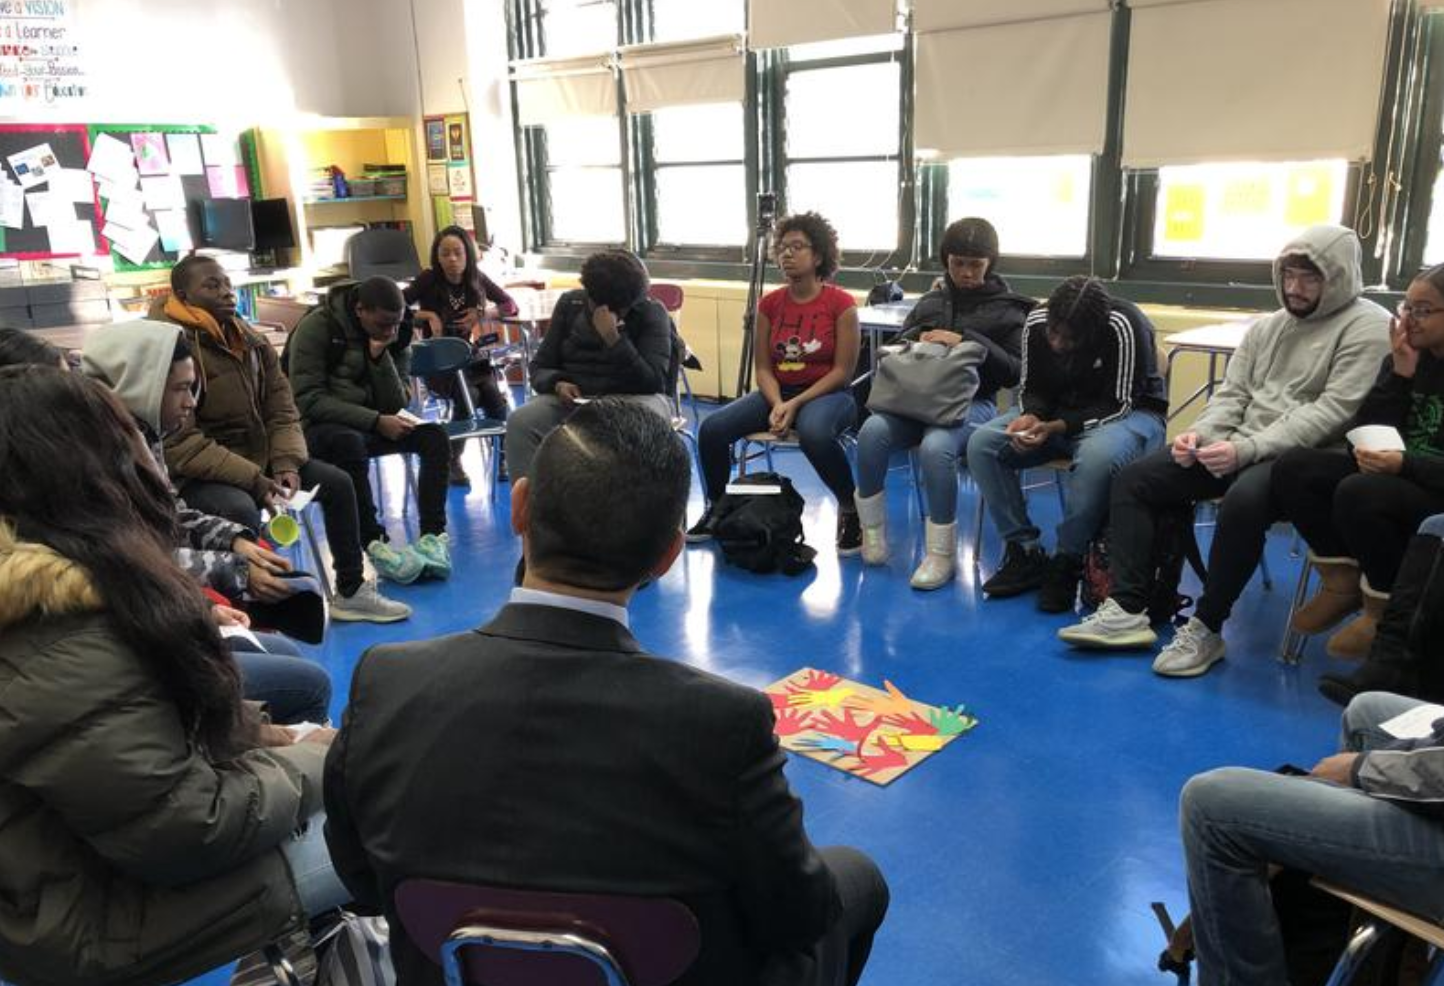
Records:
x=1291, y=648
x=915, y=467
x=321, y=572
x=1358, y=950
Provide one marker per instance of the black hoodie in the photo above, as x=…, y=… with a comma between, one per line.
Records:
x=990, y=315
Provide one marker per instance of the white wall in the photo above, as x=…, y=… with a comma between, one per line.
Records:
x=235, y=63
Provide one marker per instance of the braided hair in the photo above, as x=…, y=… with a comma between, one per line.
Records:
x=1078, y=310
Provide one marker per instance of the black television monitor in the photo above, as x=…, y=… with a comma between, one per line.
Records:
x=226, y=224
x=271, y=221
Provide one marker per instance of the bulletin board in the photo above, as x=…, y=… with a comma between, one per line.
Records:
x=219, y=176
x=70, y=146
x=448, y=169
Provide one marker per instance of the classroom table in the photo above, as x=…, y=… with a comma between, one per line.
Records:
x=533, y=315
x=1218, y=342
x=877, y=321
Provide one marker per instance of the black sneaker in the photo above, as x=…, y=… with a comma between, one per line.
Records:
x=849, y=533
x=1059, y=593
x=705, y=529
x=1371, y=676
x=1023, y=569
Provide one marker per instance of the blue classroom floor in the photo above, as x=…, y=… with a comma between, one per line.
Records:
x=1028, y=851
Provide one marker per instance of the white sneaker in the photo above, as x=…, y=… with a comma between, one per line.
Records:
x=1192, y=651
x=367, y=605
x=1110, y=627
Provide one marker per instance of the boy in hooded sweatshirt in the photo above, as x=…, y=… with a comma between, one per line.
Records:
x=1296, y=381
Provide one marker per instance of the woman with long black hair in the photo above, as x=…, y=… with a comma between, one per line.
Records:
x=149, y=822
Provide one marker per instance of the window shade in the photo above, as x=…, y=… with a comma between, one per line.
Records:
x=1035, y=87
x=777, y=23
x=707, y=71
x=554, y=89
x=949, y=15
x=1256, y=80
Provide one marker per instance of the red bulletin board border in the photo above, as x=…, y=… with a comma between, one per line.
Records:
x=77, y=129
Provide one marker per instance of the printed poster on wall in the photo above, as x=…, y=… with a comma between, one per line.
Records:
x=40, y=62
x=435, y=139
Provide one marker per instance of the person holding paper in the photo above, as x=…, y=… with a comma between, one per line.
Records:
x=554, y=753
x=608, y=339
x=451, y=298
x=1366, y=819
x=1358, y=509
x=1296, y=381
x=148, y=819
x=349, y=368
x=243, y=449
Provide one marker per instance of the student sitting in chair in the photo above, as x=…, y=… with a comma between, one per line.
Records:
x=1358, y=509
x=1296, y=381
x=973, y=305
x=349, y=371
x=451, y=298
x=1090, y=393
x=608, y=339
x=148, y=821
x=243, y=448
x=636, y=775
x=804, y=353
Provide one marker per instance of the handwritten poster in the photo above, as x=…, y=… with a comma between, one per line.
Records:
x=40, y=61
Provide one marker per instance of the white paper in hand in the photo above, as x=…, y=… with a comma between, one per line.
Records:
x=405, y=415
x=301, y=499
x=1417, y=723
x=236, y=630
x=1376, y=438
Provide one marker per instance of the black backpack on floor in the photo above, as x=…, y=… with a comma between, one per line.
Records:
x=1174, y=543
x=762, y=531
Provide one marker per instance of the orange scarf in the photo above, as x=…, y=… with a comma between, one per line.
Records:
x=203, y=320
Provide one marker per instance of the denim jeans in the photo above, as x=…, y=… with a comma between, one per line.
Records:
x=1236, y=821
x=819, y=424
x=529, y=424
x=292, y=687
x=1098, y=454
x=939, y=450
x=317, y=886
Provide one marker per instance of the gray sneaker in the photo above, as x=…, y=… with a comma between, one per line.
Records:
x=1110, y=627
x=1192, y=651
x=367, y=605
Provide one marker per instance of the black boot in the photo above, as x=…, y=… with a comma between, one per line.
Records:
x=1059, y=593
x=1394, y=663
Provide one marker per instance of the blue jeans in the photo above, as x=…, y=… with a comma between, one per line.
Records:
x=317, y=886
x=939, y=450
x=1098, y=454
x=292, y=687
x=819, y=424
x=1236, y=821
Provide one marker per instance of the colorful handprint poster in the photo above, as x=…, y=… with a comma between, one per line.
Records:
x=872, y=734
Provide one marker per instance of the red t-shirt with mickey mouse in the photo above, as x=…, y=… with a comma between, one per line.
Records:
x=804, y=336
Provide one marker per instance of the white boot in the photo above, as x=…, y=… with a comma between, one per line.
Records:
x=941, y=557
x=872, y=511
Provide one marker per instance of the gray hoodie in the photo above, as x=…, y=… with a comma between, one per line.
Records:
x=1296, y=382
x=133, y=359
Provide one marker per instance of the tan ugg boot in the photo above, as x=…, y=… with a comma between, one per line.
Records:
x=941, y=557
x=872, y=511
x=1354, y=640
x=1338, y=596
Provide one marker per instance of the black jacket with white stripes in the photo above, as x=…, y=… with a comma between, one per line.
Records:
x=1104, y=380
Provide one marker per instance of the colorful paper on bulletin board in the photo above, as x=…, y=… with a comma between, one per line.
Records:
x=150, y=154
x=1246, y=197
x=436, y=183
x=1183, y=213
x=194, y=186
x=872, y=734
x=227, y=181
x=1310, y=191
x=435, y=138
x=66, y=195
x=457, y=145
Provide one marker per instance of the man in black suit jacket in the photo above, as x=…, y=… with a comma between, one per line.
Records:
x=547, y=751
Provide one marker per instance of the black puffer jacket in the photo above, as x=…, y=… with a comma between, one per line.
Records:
x=991, y=316
x=641, y=362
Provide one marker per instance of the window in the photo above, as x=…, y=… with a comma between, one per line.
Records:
x=584, y=181
x=577, y=27
x=1038, y=204
x=676, y=20
x=701, y=181
x=1243, y=211
x=845, y=164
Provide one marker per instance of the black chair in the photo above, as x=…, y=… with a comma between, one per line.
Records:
x=382, y=252
x=514, y=937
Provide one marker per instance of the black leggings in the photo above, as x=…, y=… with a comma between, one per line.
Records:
x=1343, y=513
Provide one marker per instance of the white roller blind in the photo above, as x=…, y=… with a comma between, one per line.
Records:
x=1036, y=87
x=777, y=23
x=659, y=75
x=1253, y=80
x=554, y=89
x=948, y=15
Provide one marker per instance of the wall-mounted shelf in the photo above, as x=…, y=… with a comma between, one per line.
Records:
x=357, y=198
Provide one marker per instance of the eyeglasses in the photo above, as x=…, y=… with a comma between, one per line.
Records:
x=792, y=246
x=1417, y=312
